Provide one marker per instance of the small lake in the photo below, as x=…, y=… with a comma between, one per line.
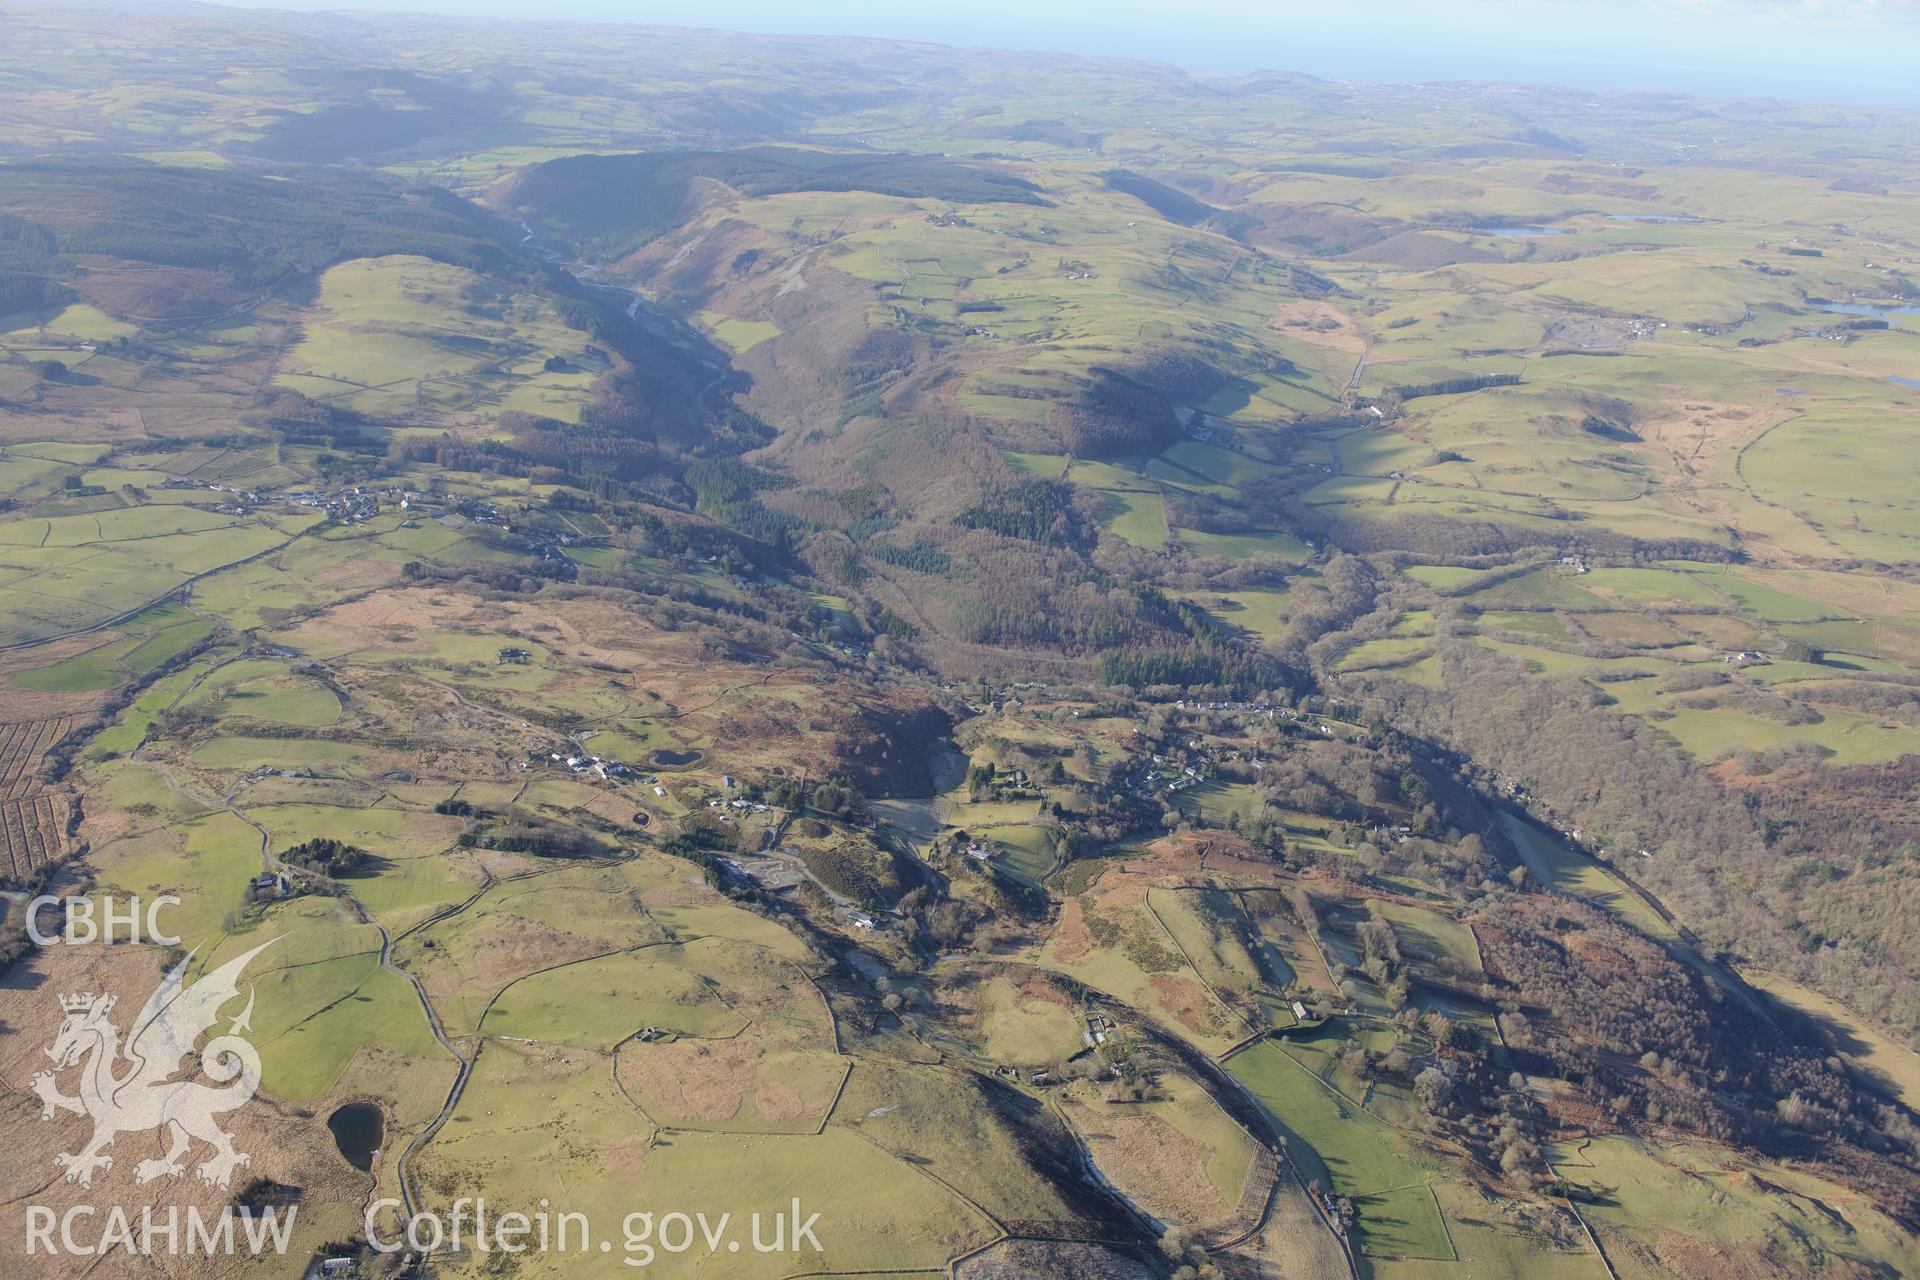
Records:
x=1524, y=232
x=358, y=1130
x=667, y=758
x=1877, y=311
x=1653, y=217
x=1907, y=382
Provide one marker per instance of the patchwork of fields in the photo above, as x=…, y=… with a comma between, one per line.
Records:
x=1090, y=670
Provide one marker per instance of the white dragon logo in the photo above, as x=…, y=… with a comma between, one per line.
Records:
x=145, y=1096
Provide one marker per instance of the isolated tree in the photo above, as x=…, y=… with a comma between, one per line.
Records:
x=1434, y=1088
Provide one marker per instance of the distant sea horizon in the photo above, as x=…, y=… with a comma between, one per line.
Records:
x=1861, y=66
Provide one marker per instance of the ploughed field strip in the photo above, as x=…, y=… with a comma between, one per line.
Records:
x=23, y=748
x=33, y=818
x=34, y=831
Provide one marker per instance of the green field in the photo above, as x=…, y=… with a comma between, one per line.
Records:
x=1025, y=853
x=1020, y=1027
x=1696, y=1191
x=741, y=336
x=1895, y=1065
x=67, y=573
x=1357, y=1155
x=407, y=334
x=630, y=991
x=1137, y=518
x=1430, y=936
x=1227, y=949
x=1556, y=864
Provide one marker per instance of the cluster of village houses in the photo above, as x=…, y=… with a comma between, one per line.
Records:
x=610, y=770
x=360, y=503
x=352, y=505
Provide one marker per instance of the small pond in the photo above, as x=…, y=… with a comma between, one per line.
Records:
x=668, y=758
x=358, y=1130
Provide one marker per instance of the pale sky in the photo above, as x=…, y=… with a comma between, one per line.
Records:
x=1864, y=51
